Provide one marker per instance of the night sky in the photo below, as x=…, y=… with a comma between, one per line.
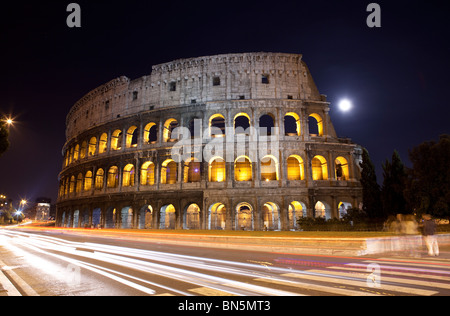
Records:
x=397, y=76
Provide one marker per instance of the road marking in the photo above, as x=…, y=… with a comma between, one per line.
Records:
x=385, y=287
x=388, y=279
x=315, y=287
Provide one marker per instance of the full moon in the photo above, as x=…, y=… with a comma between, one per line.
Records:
x=345, y=105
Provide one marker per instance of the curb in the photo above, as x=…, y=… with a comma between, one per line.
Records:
x=14, y=284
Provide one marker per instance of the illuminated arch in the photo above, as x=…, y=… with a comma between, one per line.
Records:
x=92, y=147
x=191, y=217
x=76, y=153
x=217, y=169
x=79, y=183
x=99, y=176
x=148, y=173
x=169, y=172
x=169, y=126
x=322, y=209
x=292, y=124
x=341, y=169
x=132, y=137
x=295, y=168
x=296, y=210
x=216, y=124
x=315, y=124
x=88, y=181
x=271, y=216
x=217, y=216
x=128, y=175
x=192, y=170
x=150, y=133
x=319, y=168
x=112, y=180
x=244, y=216
x=243, y=169
x=167, y=217
x=83, y=150
x=269, y=168
x=103, y=143
x=116, y=140
x=241, y=123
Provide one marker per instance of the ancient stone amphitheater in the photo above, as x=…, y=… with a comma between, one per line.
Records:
x=233, y=141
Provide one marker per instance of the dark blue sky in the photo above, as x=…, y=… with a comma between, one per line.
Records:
x=396, y=75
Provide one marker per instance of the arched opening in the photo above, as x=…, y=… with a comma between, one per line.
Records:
x=99, y=175
x=96, y=217
x=195, y=127
x=148, y=173
x=322, y=209
x=243, y=169
x=72, y=184
x=319, y=168
x=126, y=218
x=116, y=140
x=295, y=168
x=112, y=180
x=269, y=168
x=192, y=171
x=132, y=137
x=150, y=133
x=296, y=210
x=110, y=218
x=217, y=215
x=266, y=124
x=88, y=181
x=242, y=124
x=271, y=216
x=167, y=218
x=71, y=155
x=76, y=153
x=83, y=150
x=341, y=168
x=103, y=143
x=146, y=217
x=217, y=125
x=244, y=216
x=191, y=216
x=169, y=172
x=92, y=146
x=342, y=208
x=79, y=183
x=292, y=124
x=169, y=126
x=76, y=218
x=128, y=176
x=315, y=124
x=217, y=170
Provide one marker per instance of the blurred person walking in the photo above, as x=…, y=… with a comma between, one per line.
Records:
x=429, y=235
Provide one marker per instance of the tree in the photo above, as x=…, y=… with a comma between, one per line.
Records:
x=392, y=190
x=4, y=143
x=428, y=182
x=371, y=189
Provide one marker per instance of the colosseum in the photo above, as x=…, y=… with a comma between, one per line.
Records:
x=229, y=142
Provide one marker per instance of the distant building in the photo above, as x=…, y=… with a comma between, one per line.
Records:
x=42, y=209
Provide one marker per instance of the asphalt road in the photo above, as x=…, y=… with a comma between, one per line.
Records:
x=52, y=264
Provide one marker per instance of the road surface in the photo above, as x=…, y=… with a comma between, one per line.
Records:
x=52, y=264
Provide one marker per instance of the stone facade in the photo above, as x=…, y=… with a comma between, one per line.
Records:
x=120, y=170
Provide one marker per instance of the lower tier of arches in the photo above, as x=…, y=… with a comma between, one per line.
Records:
x=216, y=210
